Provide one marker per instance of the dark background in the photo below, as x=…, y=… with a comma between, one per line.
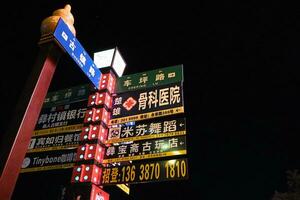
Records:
x=241, y=84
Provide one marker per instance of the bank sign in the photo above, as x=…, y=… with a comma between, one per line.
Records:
x=61, y=115
x=147, y=103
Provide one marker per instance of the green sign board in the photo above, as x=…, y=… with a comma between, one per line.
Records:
x=151, y=78
x=65, y=96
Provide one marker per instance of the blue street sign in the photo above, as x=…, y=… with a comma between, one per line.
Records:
x=68, y=41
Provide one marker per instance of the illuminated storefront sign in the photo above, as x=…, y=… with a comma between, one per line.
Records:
x=149, y=171
x=54, y=142
x=49, y=160
x=149, y=103
x=146, y=130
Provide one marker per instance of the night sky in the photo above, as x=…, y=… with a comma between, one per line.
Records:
x=241, y=82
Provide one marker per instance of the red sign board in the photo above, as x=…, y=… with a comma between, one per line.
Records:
x=98, y=194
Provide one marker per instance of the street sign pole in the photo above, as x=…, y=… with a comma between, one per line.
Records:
x=15, y=141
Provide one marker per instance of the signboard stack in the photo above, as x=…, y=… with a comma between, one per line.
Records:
x=56, y=136
x=52, y=150
x=135, y=135
x=147, y=124
x=87, y=171
x=116, y=134
x=91, y=150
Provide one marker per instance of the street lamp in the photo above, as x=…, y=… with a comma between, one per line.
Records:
x=110, y=58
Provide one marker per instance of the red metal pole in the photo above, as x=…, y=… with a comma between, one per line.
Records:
x=14, y=143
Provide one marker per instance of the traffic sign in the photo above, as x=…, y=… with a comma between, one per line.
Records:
x=147, y=171
x=68, y=95
x=151, y=78
x=72, y=46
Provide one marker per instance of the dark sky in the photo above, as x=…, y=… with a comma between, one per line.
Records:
x=241, y=87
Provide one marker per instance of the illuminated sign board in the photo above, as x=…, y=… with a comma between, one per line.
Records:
x=54, y=142
x=50, y=160
x=147, y=130
x=146, y=149
x=153, y=78
x=149, y=171
x=61, y=115
x=72, y=46
x=65, y=96
x=62, y=129
x=148, y=103
x=57, y=132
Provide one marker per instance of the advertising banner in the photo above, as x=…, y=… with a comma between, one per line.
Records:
x=146, y=130
x=61, y=115
x=147, y=171
x=148, y=103
x=49, y=160
x=54, y=142
x=146, y=149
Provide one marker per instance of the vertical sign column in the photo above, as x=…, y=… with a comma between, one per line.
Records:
x=90, y=153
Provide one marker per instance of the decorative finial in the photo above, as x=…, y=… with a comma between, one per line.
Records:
x=68, y=7
x=49, y=24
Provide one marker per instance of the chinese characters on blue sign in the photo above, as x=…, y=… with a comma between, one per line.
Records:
x=68, y=41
